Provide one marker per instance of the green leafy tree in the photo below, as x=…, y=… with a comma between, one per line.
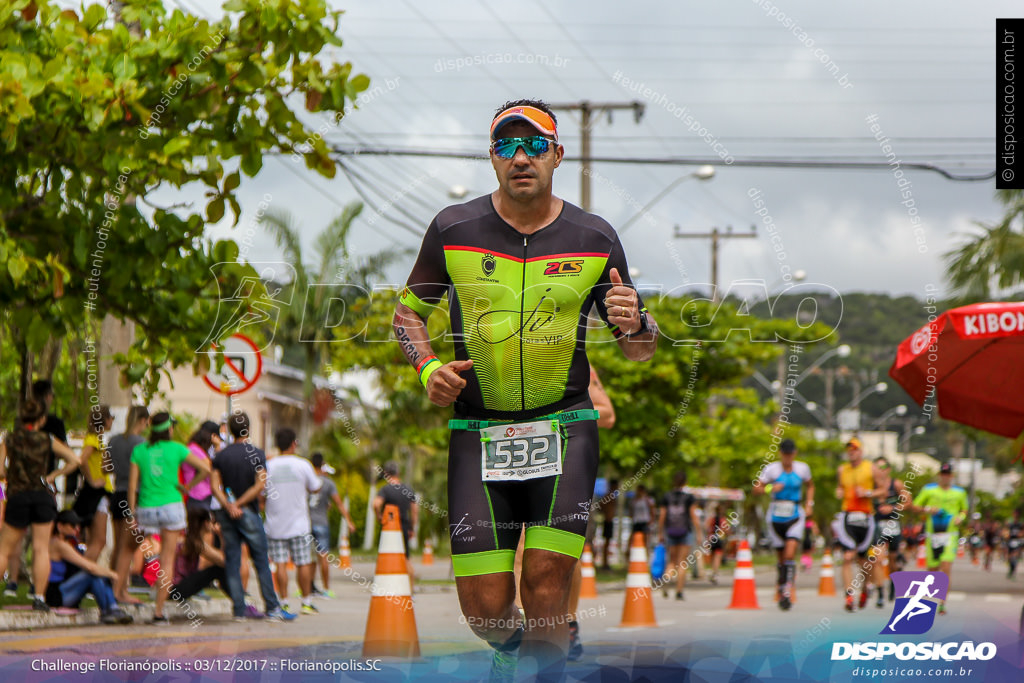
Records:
x=96, y=114
x=991, y=260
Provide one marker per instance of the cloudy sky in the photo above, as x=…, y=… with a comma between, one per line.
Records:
x=791, y=81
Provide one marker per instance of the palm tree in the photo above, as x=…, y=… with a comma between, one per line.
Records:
x=993, y=259
x=337, y=275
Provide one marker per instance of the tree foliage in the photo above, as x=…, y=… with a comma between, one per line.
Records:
x=992, y=259
x=96, y=114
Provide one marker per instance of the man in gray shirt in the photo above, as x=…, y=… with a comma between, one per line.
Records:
x=125, y=542
x=319, y=503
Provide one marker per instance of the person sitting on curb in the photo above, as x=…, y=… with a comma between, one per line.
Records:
x=198, y=564
x=73, y=575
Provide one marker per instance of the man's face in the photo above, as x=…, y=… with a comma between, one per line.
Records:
x=787, y=458
x=945, y=480
x=854, y=454
x=522, y=177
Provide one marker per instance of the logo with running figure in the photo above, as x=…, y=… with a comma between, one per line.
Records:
x=917, y=599
x=487, y=264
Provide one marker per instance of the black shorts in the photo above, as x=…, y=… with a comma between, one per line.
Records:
x=119, y=505
x=888, y=531
x=641, y=527
x=856, y=536
x=486, y=520
x=30, y=507
x=87, y=501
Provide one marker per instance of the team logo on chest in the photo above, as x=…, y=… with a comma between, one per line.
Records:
x=488, y=264
x=569, y=267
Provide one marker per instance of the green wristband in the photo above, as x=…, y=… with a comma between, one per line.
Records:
x=428, y=369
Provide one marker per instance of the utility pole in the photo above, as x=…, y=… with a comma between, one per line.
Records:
x=715, y=235
x=587, y=110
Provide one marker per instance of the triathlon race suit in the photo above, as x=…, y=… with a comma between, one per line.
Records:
x=856, y=522
x=942, y=534
x=518, y=306
x=785, y=514
x=887, y=526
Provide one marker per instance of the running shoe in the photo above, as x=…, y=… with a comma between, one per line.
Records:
x=323, y=593
x=679, y=595
x=310, y=608
x=503, y=666
x=160, y=621
x=39, y=605
x=863, y=599
x=714, y=578
x=575, y=644
x=11, y=590
x=280, y=615
x=849, y=603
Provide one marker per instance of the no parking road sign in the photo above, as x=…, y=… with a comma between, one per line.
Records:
x=237, y=369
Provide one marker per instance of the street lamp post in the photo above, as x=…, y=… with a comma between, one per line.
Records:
x=702, y=173
x=880, y=388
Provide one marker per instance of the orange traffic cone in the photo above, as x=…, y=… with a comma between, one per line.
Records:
x=639, y=607
x=960, y=551
x=827, y=582
x=588, y=582
x=744, y=590
x=391, y=624
x=344, y=554
x=921, y=560
x=428, y=552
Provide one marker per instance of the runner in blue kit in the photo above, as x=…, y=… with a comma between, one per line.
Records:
x=788, y=480
x=521, y=269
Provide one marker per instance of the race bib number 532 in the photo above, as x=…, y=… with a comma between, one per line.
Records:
x=522, y=451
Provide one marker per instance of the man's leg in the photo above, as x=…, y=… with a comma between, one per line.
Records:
x=488, y=603
x=251, y=529
x=232, y=561
x=684, y=553
x=547, y=578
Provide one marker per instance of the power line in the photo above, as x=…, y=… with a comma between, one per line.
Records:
x=688, y=161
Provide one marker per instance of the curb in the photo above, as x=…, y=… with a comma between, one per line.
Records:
x=22, y=620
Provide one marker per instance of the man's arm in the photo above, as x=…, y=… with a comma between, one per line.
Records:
x=809, y=503
x=253, y=491
x=217, y=486
x=378, y=505
x=343, y=510
x=602, y=403
x=443, y=382
x=622, y=305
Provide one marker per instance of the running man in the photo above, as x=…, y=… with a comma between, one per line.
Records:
x=855, y=527
x=789, y=482
x=915, y=606
x=890, y=498
x=521, y=269
x=945, y=506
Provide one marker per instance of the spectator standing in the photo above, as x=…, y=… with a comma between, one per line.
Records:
x=401, y=496
x=93, y=502
x=200, y=495
x=154, y=495
x=31, y=502
x=319, y=504
x=126, y=536
x=290, y=480
x=239, y=478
